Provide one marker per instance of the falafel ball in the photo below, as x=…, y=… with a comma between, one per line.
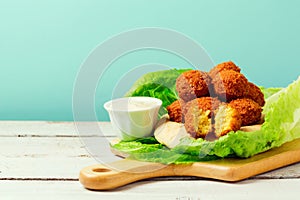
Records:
x=204, y=103
x=249, y=110
x=223, y=66
x=229, y=85
x=197, y=122
x=198, y=116
x=175, y=111
x=255, y=94
x=192, y=84
x=227, y=119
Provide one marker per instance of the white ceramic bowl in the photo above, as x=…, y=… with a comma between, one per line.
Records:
x=134, y=117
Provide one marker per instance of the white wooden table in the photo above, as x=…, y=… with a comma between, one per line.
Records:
x=42, y=160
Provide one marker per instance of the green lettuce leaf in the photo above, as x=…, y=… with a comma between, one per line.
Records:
x=159, y=84
x=269, y=91
x=282, y=124
x=148, y=149
x=282, y=114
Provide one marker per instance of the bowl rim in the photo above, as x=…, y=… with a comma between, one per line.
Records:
x=156, y=103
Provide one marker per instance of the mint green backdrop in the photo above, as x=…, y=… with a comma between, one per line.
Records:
x=43, y=43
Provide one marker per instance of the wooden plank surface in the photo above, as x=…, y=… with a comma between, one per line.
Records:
x=54, y=129
x=286, y=189
x=43, y=159
x=47, y=157
x=99, y=177
x=68, y=153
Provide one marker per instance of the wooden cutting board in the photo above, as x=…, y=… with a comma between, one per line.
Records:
x=120, y=173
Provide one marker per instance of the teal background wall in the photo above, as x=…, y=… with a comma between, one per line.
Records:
x=43, y=44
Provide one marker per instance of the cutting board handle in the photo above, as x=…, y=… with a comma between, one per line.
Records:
x=123, y=172
x=116, y=174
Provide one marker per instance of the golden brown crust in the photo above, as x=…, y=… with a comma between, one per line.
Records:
x=175, y=111
x=255, y=94
x=192, y=84
x=249, y=110
x=204, y=103
x=223, y=66
x=205, y=116
x=198, y=115
x=229, y=85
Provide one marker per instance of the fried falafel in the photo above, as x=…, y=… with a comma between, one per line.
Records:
x=198, y=115
x=229, y=85
x=192, y=84
x=198, y=123
x=249, y=110
x=227, y=119
x=175, y=111
x=233, y=101
x=204, y=103
x=255, y=94
x=223, y=66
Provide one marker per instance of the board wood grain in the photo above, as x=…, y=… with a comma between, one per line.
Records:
x=113, y=175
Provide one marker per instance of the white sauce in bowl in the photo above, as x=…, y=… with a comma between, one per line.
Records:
x=132, y=104
x=134, y=117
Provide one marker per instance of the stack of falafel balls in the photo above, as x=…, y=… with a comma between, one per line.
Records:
x=211, y=104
